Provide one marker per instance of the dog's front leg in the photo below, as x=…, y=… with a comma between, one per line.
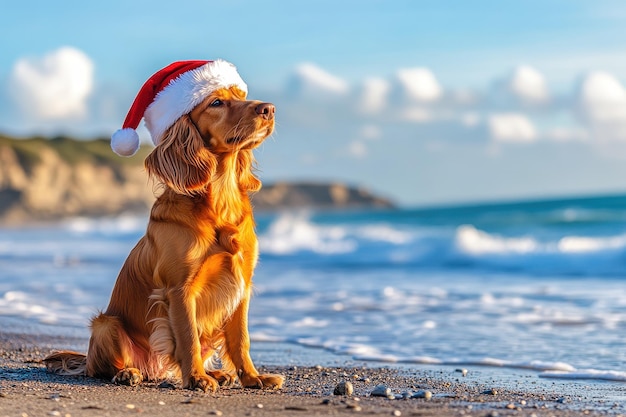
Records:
x=188, y=350
x=237, y=341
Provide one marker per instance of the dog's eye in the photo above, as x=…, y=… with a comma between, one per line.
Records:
x=216, y=103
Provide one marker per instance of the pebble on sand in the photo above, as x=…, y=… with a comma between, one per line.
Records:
x=382, y=391
x=427, y=395
x=344, y=388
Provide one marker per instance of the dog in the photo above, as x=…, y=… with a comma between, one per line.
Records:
x=182, y=296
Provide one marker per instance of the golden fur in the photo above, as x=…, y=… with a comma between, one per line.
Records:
x=183, y=293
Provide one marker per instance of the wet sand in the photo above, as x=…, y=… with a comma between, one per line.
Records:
x=26, y=389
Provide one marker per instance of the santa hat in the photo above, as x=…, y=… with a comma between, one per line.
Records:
x=169, y=94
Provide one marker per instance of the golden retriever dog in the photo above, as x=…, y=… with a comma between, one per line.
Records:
x=182, y=296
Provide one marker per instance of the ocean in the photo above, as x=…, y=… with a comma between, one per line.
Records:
x=536, y=285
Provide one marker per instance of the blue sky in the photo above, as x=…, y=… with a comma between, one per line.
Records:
x=426, y=102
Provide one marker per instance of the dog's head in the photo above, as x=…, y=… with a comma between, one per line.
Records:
x=223, y=124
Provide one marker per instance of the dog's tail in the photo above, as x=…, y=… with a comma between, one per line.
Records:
x=66, y=362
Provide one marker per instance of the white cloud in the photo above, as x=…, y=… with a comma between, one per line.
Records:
x=518, y=108
x=528, y=84
x=371, y=132
x=56, y=86
x=566, y=134
x=357, y=149
x=464, y=97
x=602, y=98
x=420, y=84
x=417, y=115
x=511, y=127
x=601, y=104
x=374, y=96
x=311, y=79
x=470, y=119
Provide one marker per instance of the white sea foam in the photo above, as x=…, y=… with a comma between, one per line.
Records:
x=309, y=322
x=582, y=244
x=23, y=304
x=123, y=224
x=293, y=232
x=385, y=233
x=586, y=374
x=264, y=337
x=474, y=241
x=536, y=365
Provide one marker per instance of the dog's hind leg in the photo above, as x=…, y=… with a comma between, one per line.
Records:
x=110, y=353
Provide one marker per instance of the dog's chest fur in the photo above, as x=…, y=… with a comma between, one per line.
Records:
x=225, y=194
x=225, y=287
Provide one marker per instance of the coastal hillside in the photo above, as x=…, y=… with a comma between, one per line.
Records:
x=48, y=179
x=317, y=195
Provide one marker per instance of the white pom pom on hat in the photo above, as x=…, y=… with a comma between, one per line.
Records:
x=169, y=94
x=125, y=142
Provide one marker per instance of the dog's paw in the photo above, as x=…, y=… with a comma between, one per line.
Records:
x=270, y=381
x=224, y=379
x=203, y=382
x=128, y=376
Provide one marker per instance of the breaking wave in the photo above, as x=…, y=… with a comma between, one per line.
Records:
x=299, y=236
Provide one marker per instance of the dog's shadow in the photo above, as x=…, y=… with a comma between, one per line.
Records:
x=34, y=370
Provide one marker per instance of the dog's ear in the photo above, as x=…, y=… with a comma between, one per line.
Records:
x=245, y=166
x=180, y=160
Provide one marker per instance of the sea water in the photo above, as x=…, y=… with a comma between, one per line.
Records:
x=533, y=285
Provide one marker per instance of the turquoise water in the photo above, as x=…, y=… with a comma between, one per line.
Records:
x=534, y=285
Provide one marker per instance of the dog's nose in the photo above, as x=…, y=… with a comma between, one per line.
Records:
x=265, y=110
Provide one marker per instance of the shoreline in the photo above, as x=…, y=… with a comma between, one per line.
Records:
x=26, y=389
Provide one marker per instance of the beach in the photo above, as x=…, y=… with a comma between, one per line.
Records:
x=511, y=309
x=27, y=389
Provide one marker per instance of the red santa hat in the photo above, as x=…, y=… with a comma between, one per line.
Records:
x=169, y=94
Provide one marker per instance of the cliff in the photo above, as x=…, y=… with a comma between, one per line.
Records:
x=317, y=195
x=48, y=179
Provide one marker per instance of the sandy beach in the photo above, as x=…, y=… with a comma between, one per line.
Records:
x=26, y=389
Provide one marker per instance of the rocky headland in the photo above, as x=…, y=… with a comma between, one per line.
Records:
x=48, y=179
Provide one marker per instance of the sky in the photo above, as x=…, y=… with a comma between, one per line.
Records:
x=423, y=102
